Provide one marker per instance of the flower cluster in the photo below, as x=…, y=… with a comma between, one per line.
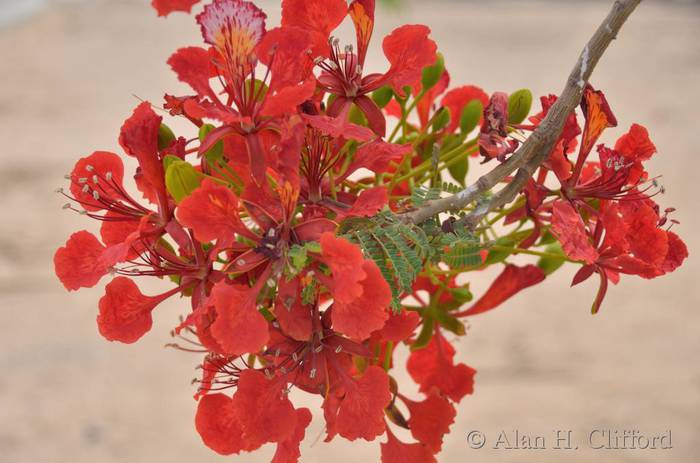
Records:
x=281, y=222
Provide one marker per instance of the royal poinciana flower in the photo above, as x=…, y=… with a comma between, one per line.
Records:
x=281, y=218
x=408, y=50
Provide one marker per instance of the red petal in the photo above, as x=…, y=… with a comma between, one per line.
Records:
x=432, y=367
x=286, y=99
x=677, y=253
x=338, y=127
x=78, y=263
x=430, y=420
x=368, y=203
x=400, y=326
x=316, y=15
x=409, y=50
x=374, y=115
x=239, y=328
x=234, y=28
x=94, y=171
x=395, y=451
x=458, y=98
x=165, y=7
x=511, y=281
x=635, y=144
x=264, y=409
x=217, y=424
x=290, y=53
x=193, y=67
x=377, y=155
x=360, y=317
x=293, y=316
x=361, y=411
x=139, y=138
x=598, y=118
x=362, y=14
x=125, y=313
x=288, y=450
x=569, y=229
x=647, y=241
x=212, y=212
x=347, y=267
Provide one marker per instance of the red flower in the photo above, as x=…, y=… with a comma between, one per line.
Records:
x=165, y=7
x=433, y=368
x=360, y=412
x=407, y=48
x=125, y=313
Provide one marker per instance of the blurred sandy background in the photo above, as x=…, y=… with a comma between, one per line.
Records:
x=67, y=75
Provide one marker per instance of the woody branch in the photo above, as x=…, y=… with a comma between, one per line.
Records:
x=535, y=150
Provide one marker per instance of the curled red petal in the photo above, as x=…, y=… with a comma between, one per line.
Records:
x=511, y=281
x=78, y=264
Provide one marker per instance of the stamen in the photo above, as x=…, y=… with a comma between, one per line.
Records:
x=319, y=348
x=338, y=349
x=312, y=373
x=89, y=168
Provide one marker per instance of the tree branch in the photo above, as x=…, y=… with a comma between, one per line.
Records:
x=535, y=150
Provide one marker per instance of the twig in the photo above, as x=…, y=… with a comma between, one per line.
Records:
x=535, y=150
